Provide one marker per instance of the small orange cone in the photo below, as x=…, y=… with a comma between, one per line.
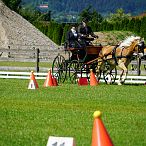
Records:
x=49, y=80
x=93, y=80
x=54, y=81
x=32, y=83
x=83, y=81
x=100, y=136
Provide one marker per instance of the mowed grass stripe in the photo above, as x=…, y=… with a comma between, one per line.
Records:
x=29, y=117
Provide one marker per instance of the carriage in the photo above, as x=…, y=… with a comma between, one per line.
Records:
x=101, y=59
x=77, y=63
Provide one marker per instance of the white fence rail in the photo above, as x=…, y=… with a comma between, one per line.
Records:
x=131, y=80
x=26, y=75
x=21, y=75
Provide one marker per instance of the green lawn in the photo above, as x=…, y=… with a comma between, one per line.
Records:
x=29, y=117
x=24, y=64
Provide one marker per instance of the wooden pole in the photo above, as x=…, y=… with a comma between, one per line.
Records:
x=37, y=59
x=138, y=65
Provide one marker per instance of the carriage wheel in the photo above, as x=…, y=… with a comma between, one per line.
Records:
x=59, y=68
x=74, y=70
x=110, y=76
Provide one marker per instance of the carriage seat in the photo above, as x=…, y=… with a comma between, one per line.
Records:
x=75, y=53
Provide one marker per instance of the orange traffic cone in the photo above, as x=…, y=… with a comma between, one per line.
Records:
x=54, y=81
x=83, y=81
x=32, y=83
x=100, y=136
x=49, y=80
x=93, y=80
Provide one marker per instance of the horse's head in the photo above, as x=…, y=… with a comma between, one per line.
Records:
x=139, y=46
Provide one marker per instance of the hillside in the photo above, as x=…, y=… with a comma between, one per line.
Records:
x=104, y=7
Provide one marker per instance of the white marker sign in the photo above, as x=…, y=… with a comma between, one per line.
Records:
x=61, y=141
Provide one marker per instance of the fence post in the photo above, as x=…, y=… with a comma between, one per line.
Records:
x=138, y=65
x=9, y=54
x=37, y=59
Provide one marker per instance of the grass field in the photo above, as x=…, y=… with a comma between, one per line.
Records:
x=24, y=64
x=29, y=117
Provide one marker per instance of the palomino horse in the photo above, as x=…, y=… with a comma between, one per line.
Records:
x=120, y=56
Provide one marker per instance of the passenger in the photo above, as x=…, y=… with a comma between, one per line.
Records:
x=72, y=38
x=72, y=41
x=84, y=31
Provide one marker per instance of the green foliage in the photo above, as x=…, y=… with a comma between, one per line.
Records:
x=137, y=25
x=125, y=24
x=42, y=26
x=91, y=15
x=119, y=16
x=30, y=14
x=29, y=117
x=104, y=25
x=33, y=15
x=25, y=64
x=143, y=27
x=51, y=28
x=13, y=4
x=86, y=13
x=65, y=30
x=57, y=34
x=131, y=24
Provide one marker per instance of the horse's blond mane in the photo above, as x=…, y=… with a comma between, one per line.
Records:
x=128, y=41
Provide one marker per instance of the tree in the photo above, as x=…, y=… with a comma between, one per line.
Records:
x=119, y=16
x=137, y=25
x=91, y=15
x=57, y=34
x=103, y=26
x=143, y=27
x=65, y=29
x=31, y=15
x=130, y=25
x=13, y=4
x=125, y=24
x=86, y=13
x=51, y=28
x=96, y=20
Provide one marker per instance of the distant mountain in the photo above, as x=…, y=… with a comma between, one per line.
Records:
x=104, y=7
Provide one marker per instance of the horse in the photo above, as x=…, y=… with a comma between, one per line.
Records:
x=120, y=55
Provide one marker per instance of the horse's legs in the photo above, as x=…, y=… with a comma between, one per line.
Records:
x=120, y=78
x=99, y=67
x=124, y=71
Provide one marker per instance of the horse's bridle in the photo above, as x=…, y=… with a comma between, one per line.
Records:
x=141, y=47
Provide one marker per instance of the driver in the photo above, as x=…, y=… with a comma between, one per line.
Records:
x=84, y=31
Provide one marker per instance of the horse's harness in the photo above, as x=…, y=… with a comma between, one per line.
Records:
x=114, y=56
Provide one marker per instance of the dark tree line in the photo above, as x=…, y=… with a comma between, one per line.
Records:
x=118, y=21
x=57, y=32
